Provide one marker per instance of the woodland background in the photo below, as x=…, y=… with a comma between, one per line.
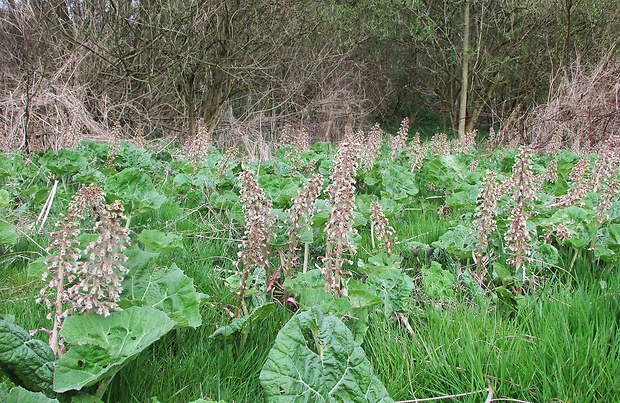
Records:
x=242, y=70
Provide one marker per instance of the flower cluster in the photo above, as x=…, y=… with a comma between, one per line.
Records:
x=259, y=221
x=581, y=184
x=466, y=143
x=70, y=136
x=556, y=142
x=200, y=145
x=485, y=214
x=551, y=174
x=59, y=272
x=300, y=218
x=560, y=231
x=605, y=201
x=373, y=145
x=417, y=152
x=227, y=159
x=381, y=229
x=398, y=142
x=493, y=137
x=606, y=166
x=116, y=134
x=98, y=287
x=93, y=286
x=440, y=144
x=299, y=139
x=517, y=237
x=339, y=226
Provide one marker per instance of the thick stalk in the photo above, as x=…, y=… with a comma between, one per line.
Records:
x=54, y=337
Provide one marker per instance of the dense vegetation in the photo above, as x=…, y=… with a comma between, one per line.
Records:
x=386, y=267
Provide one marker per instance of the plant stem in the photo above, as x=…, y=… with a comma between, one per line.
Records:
x=306, y=256
x=103, y=386
x=54, y=338
x=372, y=234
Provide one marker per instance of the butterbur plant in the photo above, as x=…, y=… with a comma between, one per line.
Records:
x=606, y=166
x=381, y=229
x=299, y=219
x=201, y=144
x=254, y=248
x=517, y=237
x=417, y=155
x=581, y=184
x=60, y=271
x=339, y=227
x=551, y=174
x=440, y=144
x=485, y=223
x=64, y=272
x=98, y=285
x=92, y=338
x=604, y=204
x=373, y=146
x=398, y=142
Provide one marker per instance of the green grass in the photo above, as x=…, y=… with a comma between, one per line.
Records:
x=563, y=343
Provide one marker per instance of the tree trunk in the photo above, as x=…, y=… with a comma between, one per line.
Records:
x=465, y=72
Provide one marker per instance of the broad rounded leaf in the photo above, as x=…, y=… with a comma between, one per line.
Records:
x=315, y=359
x=100, y=346
x=160, y=242
x=393, y=286
x=399, y=183
x=64, y=162
x=28, y=362
x=168, y=290
x=458, y=242
x=21, y=395
x=8, y=236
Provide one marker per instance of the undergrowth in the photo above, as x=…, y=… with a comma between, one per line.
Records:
x=460, y=317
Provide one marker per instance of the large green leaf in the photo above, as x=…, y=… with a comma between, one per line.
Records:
x=100, y=346
x=279, y=189
x=315, y=359
x=166, y=289
x=21, y=395
x=445, y=170
x=578, y=222
x=459, y=242
x=64, y=162
x=399, y=183
x=8, y=236
x=136, y=189
x=438, y=283
x=5, y=198
x=28, y=362
x=393, y=286
x=160, y=242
